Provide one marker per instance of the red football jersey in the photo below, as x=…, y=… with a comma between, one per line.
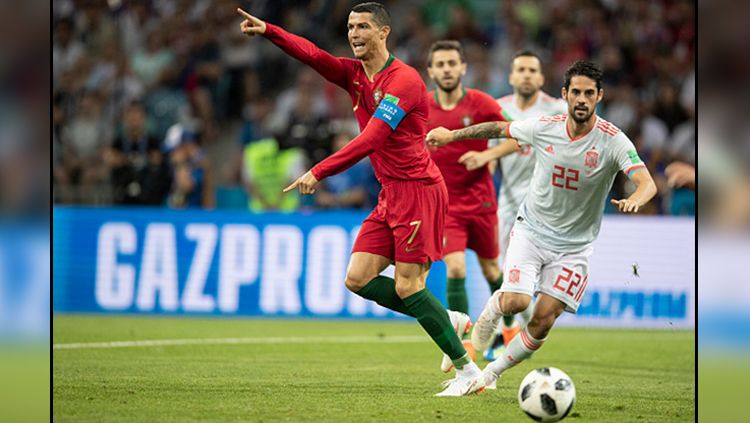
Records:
x=469, y=191
x=391, y=110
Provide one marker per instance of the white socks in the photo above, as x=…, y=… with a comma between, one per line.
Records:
x=494, y=305
x=469, y=370
x=519, y=349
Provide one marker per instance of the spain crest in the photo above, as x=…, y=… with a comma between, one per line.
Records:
x=377, y=95
x=514, y=276
x=592, y=159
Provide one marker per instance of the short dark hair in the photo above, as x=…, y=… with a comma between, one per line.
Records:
x=379, y=14
x=526, y=53
x=584, y=68
x=445, y=45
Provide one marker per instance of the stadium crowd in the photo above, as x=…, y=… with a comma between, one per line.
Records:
x=160, y=102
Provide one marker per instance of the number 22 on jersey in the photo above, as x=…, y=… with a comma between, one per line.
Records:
x=566, y=178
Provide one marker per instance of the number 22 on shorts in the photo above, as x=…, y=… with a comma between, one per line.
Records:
x=565, y=277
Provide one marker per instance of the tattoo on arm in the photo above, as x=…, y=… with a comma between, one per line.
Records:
x=484, y=130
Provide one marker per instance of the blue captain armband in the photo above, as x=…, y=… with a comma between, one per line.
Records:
x=389, y=112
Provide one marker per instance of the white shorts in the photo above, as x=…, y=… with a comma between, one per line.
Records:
x=530, y=269
x=505, y=224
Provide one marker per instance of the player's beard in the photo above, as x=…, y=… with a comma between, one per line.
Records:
x=448, y=88
x=578, y=120
x=527, y=93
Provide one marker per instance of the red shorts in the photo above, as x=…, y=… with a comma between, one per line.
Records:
x=407, y=224
x=475, y=231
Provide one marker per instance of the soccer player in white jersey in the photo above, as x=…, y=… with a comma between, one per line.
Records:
x=527, y=101
x=578, y=156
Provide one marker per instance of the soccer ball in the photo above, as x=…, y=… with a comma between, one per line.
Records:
x=547, y=394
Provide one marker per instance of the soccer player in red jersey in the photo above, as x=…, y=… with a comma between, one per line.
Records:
x=390, y=103
x=471, y=221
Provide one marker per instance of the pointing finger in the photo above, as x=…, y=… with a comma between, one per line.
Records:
x=245, y=14
x=292, y=186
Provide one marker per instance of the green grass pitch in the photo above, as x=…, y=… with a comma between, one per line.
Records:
x=620, y=375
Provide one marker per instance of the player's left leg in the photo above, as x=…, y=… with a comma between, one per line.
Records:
x=432, y=316
x=454, y=256
x=458, y=301
x=417, y=215
x=455, y=264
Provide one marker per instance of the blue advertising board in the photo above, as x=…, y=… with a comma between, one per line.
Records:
x=160, y=261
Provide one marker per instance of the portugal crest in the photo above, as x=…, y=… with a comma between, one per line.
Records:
x=377, y=95
x=466, y=120
x=592, y=159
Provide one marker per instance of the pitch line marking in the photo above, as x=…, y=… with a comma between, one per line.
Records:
x=239, y=341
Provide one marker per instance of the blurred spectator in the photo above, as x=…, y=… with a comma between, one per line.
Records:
x=189, y=63
x=66, y=50
x=139, y=172
x=152, y=64
x=350, y=189
x=667, y=107
x=300, y=114
x=83, y=141
x=463, y=27
x=192, y=185
x=267, y=170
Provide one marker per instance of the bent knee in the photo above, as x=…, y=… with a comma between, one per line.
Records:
x=514, y=303
x=355, y=282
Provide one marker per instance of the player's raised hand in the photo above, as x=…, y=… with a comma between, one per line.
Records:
x=626, y=205
x=305, y=183
x=439, y=136
x=473, y=160
x=251, y=25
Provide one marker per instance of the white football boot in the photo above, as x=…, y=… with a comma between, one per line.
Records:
x=468, y=380
x=462, y=324
x=486, y=325
x=490, y=380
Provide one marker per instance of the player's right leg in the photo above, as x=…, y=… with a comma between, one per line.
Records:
x=364, y=279
x=371, y=254
x=434, y=319
x=530, y=339
x=523, y=264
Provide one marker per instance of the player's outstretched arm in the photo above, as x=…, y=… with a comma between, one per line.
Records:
x=644, y=192
x=370, y=139
x=476, y=159
x=441, y=136
x=330, y=67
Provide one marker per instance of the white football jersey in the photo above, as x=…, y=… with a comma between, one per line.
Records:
x=572, y=177
x=518, y=167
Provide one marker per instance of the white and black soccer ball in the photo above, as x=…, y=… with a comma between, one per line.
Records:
x=547, y=394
